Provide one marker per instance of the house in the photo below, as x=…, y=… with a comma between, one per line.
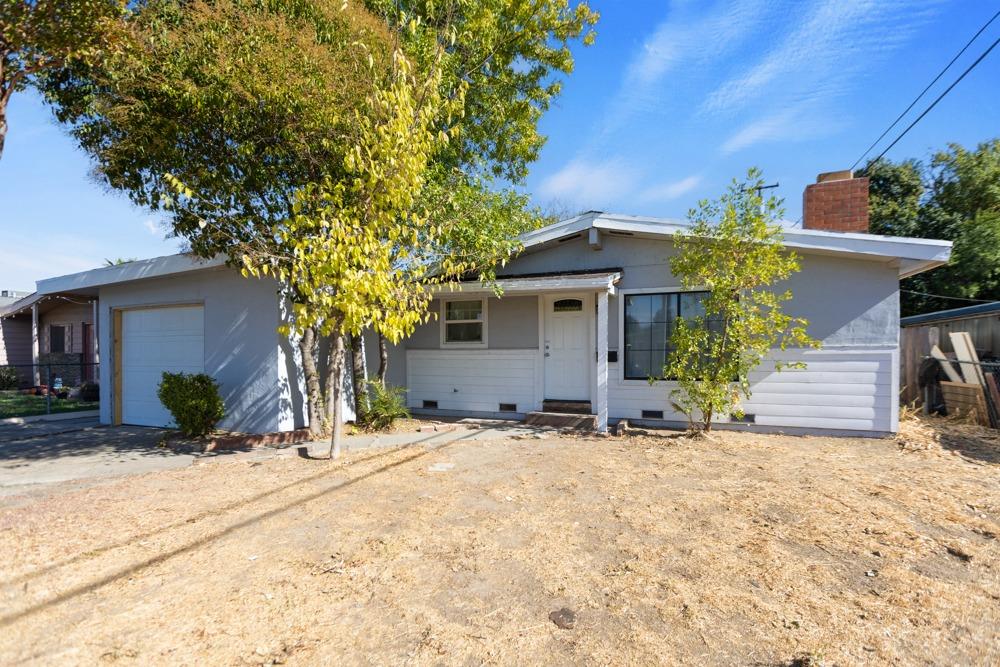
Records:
x=582, y=323
x=47, y=336
x=587, y=305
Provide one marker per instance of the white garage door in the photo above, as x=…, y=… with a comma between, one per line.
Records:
x=156, y=340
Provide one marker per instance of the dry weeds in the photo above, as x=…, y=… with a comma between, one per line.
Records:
x=745, y=550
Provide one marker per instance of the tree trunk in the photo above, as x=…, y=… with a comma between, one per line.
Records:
x=3, y=129
x=707, y=422
x=335, y=384
x=314, y=395
x=360, y=368
x=383, y=359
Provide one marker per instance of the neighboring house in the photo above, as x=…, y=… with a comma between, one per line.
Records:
x=9, y=296
x=584, y=319
x=49, y=335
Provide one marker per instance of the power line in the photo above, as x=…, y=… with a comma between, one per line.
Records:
x=939, y=98
x=950, y=298
x=924, y=91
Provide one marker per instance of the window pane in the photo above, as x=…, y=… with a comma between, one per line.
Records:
x=691, y=304
x=663, y=306
x=463, y=310
x=466, y=332
x=637, y=336
x=57, y=339
x=567, y=305
x=637, y=365
x=658, y=337
x=637, y=307
x=657, y=360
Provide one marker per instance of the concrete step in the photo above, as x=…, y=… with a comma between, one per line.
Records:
x=562, y=420
x=567, y=407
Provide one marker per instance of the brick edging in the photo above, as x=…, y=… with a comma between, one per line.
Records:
x=258, y=439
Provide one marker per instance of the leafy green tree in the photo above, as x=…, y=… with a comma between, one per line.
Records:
x=955, y=197
x=506, y=56
x=298, y=138
x=733, y=248
x=895, y=192
x=221, y=113
x=38, y=36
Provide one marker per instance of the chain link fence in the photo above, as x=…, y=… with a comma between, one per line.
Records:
x=27, y=390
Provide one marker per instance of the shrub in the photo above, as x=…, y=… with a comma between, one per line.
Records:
x=8, y=377
x=90, y=391
x=386, y=404
x=193, y=400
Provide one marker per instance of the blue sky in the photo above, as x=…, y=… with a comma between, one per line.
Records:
x=673, y=100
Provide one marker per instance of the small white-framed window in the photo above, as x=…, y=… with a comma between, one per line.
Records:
x=463, y=323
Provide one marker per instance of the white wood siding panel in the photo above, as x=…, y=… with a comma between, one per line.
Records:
x=472, y=380
x=842, y=389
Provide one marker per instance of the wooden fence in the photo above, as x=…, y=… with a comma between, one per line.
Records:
x=915, y=344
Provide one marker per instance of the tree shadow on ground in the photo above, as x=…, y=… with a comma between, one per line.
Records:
x=975, y=443
x=114, y=441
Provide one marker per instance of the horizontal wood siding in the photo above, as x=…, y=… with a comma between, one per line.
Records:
x=849, y=389
x=840, y=389
x=472, y=380
x=15, y=341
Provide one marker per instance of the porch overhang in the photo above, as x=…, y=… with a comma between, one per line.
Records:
x=592, y=281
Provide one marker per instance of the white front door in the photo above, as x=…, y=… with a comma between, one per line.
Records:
x=567, y=348
x=156, y=340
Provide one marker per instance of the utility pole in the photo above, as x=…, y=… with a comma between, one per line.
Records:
x=760, y=192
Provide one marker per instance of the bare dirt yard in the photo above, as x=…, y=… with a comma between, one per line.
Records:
x=746, y=550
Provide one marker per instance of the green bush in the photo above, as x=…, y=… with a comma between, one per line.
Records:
x=193, y=400
x=386, y=404
x=8, y=377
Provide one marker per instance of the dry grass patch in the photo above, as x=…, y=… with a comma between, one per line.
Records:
x=746, y=550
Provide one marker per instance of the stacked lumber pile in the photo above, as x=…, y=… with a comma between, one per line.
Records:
x=971, y=390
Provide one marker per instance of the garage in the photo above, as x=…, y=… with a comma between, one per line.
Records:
x=154, y=340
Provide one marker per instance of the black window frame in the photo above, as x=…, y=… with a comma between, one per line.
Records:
x=677, y=298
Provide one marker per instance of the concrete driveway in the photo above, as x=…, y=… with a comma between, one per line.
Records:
x=38, y=454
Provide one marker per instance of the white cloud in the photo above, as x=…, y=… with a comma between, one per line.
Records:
x=671, y=189
x=152, y=227
x=793, y=86
x=685, y=43
x=683, y=38
x=590, y=183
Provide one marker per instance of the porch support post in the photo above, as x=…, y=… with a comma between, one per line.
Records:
x=95, y=357
x=37, y=371
x=602, y=362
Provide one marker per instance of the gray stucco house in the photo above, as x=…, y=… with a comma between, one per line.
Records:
x=584, y=317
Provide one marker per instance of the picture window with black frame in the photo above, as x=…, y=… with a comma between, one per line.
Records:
x=649, y=324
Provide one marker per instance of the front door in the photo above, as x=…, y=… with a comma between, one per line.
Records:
x=567, y=353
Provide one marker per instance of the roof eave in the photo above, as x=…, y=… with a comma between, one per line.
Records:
x=157, y=267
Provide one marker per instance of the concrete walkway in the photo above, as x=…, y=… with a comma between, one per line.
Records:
x=34, y=456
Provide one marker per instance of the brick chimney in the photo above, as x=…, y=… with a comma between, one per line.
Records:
x=836, y=202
